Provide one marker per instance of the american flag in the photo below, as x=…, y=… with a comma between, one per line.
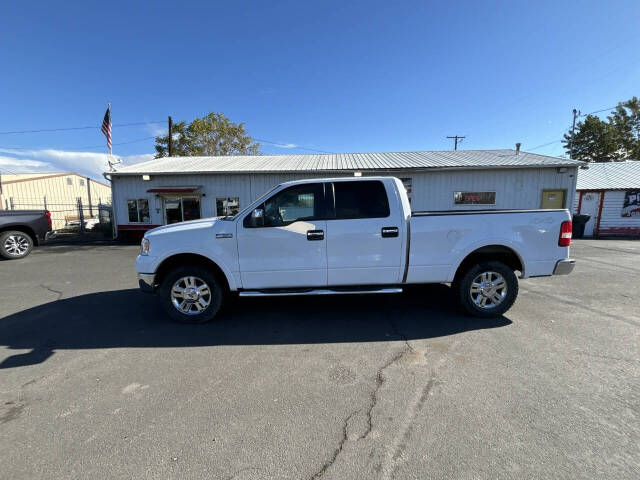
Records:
x=106, y=126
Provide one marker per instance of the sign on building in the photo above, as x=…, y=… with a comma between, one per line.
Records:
x=631, y=205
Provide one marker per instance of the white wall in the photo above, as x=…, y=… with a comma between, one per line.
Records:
x=516, y=188
x=611, y=220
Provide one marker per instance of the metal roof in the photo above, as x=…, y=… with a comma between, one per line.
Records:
x=336, y=162
x=609, y=176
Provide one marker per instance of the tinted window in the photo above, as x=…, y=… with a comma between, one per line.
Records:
x=300, y=202
x=361, y=199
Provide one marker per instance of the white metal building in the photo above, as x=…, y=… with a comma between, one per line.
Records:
x=610, y=194
x=172, y=189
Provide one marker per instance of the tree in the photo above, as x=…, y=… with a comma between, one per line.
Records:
x=625, y=119
x=214, y=134
x=616, y=139
x=594, y=141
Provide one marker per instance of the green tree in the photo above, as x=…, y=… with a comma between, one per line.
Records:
x=616, y=139
x=625, y=120
x=594, y=141
x=211, y=135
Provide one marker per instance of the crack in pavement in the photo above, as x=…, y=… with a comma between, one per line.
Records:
x=338, y=450
x=53, y=291
x=373, y=401
x=373, y=396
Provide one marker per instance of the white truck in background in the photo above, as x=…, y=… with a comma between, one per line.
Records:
x=350, y=235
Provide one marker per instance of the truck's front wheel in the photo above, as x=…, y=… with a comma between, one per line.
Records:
x=191, y=294
x=487, y=289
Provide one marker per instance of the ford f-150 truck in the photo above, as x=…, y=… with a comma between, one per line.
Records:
x=20, y=230
x=350, y=235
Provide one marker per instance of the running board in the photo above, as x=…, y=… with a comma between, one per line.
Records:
x=323, y=291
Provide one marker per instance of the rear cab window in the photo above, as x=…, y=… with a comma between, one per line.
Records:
x=360, y=199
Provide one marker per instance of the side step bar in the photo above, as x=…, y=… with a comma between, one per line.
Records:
x=321, y=291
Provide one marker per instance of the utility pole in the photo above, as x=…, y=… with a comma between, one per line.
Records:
x=170, y=136
x=89, y=196
x=456, y=137
x=573, y=128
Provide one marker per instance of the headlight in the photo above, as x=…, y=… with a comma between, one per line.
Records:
x=144, y=246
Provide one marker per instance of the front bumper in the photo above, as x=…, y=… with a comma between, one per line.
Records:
x=147, y=282
x=564, y=267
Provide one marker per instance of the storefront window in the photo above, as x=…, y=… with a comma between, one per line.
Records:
x=227, y=206
x=138, y=210
x=181, y=209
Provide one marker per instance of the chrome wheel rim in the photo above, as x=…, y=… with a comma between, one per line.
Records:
x=488, y=290
x=190, y=295
x=16, y=245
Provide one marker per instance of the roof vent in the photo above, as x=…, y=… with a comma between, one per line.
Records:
x=518, y=148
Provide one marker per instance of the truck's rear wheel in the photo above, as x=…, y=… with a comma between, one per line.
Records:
x=15, y=244
x=191, y=294
x=487, y=289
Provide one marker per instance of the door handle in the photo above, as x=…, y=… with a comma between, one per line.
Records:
x=388, y=232
x=315, y=235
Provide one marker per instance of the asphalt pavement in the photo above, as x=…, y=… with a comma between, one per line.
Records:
x=95, y=382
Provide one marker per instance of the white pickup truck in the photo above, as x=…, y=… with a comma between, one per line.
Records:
x=350, y=235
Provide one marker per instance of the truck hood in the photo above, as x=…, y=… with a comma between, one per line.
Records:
x=176, y=228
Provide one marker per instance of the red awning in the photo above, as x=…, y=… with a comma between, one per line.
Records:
x=173, y=190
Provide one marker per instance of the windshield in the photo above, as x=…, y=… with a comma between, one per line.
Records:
x=246, y=209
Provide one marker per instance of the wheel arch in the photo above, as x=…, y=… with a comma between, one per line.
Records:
x=21, y=228
x=181, y=259
x=493, y=252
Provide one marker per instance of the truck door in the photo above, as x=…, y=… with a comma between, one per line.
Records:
x=364, y=235
x=289, y=248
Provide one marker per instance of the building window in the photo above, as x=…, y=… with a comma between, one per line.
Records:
x=81, y=182
x=227, y=206
x=474, y=198
x=69, y=181
x=181, y=209
x=138, y=210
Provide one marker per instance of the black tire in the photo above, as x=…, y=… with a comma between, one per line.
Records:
x=215, y=298
x=15, y=239
x=462, y=290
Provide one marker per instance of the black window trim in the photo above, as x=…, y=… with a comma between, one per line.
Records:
x=332, y=202
x=322, y=206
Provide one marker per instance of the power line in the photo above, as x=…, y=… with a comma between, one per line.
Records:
x=77, y=128
x=597, y=111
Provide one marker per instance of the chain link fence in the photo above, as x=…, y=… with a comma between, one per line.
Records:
x=70, y=220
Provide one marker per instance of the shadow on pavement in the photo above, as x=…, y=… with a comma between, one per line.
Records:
x=130, y=318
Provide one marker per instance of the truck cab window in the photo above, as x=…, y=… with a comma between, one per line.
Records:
x=300, y=202
x=361, y=199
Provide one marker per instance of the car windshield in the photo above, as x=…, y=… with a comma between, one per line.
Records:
x=229, y=218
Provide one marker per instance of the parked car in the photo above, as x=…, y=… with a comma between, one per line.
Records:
x=350, y=235
x=21, y=230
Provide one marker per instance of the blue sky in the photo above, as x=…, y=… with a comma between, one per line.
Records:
x=333, y=76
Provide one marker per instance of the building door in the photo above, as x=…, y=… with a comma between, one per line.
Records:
x=589, y=206
x=552, y=199
x=289, y=249
x=181, y=209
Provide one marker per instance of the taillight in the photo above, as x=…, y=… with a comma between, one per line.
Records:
x=48, y=215
x=565, y=234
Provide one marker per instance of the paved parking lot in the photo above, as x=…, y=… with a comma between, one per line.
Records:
x=95, y=383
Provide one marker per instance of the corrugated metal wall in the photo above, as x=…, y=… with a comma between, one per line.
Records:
x=515, y=188
x=59, y=193
x=611, y=220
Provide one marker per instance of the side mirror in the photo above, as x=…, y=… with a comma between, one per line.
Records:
x=257, y=218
